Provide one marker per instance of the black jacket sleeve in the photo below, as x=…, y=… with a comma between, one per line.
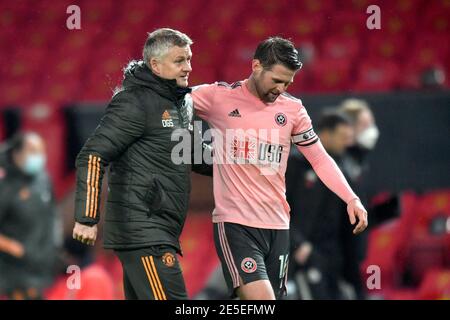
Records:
x=3, y=201
x=122, y=124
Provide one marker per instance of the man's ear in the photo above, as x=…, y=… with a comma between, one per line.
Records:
x=257, y=66
x=154, y=65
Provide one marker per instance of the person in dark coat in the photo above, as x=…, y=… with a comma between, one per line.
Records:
x=148, y=186
x=316, y=259
x=28, y=222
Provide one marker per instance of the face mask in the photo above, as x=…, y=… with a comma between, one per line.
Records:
x=368, y=138
x=34, y=164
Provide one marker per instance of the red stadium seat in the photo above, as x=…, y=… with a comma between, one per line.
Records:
x=7, y=38
x=418, y=242
x=382, y=251
x=76, y=43
x=400, y=294
x=25, y=64
x=180, y=17
x=200, y=258
x=225, y=17
x=113, y=267
x=100, y=82
x=269, y=7
x=376, y=75
x=347, y=23
x=385, y=47
x=387, y=248
x=97, y=13
x=329, y=75
x=435, y=285
x=324, y=24
x=40, y=38
x=137, y=14
x=430, y=51
x=304, y=28
x=430, y=47
x=58, y=90
x=300, y=84
x=13, y=14
x=354, y=5
x=212, y=37
x=340, y=47
x=312, y=7
x=429, y=244
x=51, y=13
x=96, y=285
x=407, y=8
x=239, y=59
x=436, y=20
x=412, y=73
x=204, y=67
x=67, y=68
x=16, y=93
x=394, y=23
x=256, y=28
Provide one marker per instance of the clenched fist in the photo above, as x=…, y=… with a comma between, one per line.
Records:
x=85, y=234
x=355, y=210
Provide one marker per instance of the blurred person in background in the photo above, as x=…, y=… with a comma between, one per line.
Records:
x=28, y=223
x=356, y=167
x=316, y=240
x=366, y=137
x=95, y=282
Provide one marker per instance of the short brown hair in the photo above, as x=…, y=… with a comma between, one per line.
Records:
x=276, y=50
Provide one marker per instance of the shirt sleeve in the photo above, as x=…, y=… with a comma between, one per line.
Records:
x=303, y=133
x=203, y=97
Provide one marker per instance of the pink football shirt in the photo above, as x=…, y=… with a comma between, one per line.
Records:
x=251, y=142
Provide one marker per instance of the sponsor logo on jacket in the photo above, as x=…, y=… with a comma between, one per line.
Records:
x=166, y=120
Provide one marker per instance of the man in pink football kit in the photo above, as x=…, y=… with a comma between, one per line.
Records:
x=254, y=122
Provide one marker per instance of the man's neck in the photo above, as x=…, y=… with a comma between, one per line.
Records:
x=251, y=86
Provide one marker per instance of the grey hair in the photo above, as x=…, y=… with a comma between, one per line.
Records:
x=161, y=40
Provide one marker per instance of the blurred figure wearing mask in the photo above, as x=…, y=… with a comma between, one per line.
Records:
x=356, y=169
x=27, y=219
x=366, y=137
x=316, y=240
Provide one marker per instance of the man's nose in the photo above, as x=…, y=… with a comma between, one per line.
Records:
x=187, y=67
x=281, y=88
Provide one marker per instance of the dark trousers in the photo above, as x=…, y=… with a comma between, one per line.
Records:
x=152, y=273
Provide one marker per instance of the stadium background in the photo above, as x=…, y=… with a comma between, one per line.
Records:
x=57, y=81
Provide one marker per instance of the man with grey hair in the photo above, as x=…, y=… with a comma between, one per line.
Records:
x=148, y=192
